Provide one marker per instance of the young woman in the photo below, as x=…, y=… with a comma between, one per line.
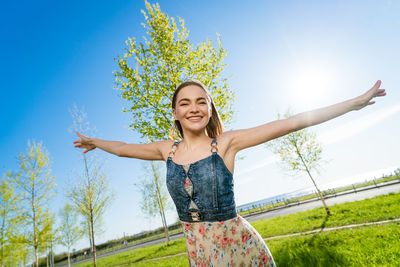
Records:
x=200, y=171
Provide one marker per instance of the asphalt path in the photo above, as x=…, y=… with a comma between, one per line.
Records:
x=358, y=195
x=348, y=197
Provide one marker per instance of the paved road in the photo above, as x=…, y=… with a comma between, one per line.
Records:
x=152, y=242
x=330, y=201
x=359, y=195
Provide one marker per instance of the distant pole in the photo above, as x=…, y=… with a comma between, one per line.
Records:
x=354, y=188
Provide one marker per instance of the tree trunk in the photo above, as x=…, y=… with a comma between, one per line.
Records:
x=36, y=252
x=69, y=259
x=161, y=207
x=93, y=244
x=165, y=227
x=319, y=194
x=91, y=222
x=35, y=241
x=315, y=184
x=51, y=253
x=90, y=237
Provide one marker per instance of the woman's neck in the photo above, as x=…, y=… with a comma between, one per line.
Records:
x=192, y=141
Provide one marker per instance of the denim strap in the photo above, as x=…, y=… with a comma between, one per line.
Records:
x=174, y=146
x=214, y=145
x=214, y=173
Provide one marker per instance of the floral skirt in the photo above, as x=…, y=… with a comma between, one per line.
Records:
x=226, y=243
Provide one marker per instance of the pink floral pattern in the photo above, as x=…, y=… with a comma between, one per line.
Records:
x=189, y=187
x=226, y=243
x=231, y=243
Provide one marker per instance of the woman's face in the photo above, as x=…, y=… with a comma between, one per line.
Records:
x=192, y=108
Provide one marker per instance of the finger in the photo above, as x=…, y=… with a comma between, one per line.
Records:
x=381, y=92
x=372, y=102
x=80, y=135
x=377, y=84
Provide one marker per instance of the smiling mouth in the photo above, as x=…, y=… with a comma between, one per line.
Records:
x=195, y=118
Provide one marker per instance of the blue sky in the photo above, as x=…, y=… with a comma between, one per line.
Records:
x=298, y=54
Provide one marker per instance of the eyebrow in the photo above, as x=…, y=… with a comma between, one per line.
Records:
x=187, y=99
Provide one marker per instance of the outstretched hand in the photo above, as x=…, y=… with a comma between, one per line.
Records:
x=365, y=99
x=84, y=143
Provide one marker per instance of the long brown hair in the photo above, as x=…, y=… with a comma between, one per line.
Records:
x=214, y=126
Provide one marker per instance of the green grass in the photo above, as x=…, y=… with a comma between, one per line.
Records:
x=363, y=246
x=379, y=208
x=140, y=254
x=264, y=208
x=324, y=193
x=181, y=260
x=348, y=247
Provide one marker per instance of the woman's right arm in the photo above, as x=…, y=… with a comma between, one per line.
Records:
x=150, y=151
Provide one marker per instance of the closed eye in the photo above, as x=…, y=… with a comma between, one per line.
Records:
x=200, y=103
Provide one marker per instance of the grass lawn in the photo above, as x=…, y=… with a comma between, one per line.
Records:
x=334, y=191
x=363, y=246
x=377, y=245
x=379, y=208
x=134, y=256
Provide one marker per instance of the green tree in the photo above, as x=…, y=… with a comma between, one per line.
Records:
x=164, y=60
x=86, y=228
x=69, y=230
x=154, y=196
x=51, y=239
x=90, y=194
x=37, y=188
x=149, y=73
x=299, y=151
x=12, y=243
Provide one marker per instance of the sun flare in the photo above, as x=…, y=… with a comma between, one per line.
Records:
x=310, y=85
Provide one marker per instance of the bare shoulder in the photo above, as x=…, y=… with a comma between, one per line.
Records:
x=224, y=141
x=225, y=149
x=225, y=138
x=165, y=147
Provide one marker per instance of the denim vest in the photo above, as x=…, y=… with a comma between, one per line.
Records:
x=212, y=188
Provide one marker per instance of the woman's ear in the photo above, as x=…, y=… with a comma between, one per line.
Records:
x=174, y=113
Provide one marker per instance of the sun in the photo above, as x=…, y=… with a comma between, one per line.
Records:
x=310, y=85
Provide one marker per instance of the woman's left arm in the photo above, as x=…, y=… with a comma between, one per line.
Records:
x=320, y=115
x=241, y=139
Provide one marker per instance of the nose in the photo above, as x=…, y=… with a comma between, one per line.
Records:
x=194, y=108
